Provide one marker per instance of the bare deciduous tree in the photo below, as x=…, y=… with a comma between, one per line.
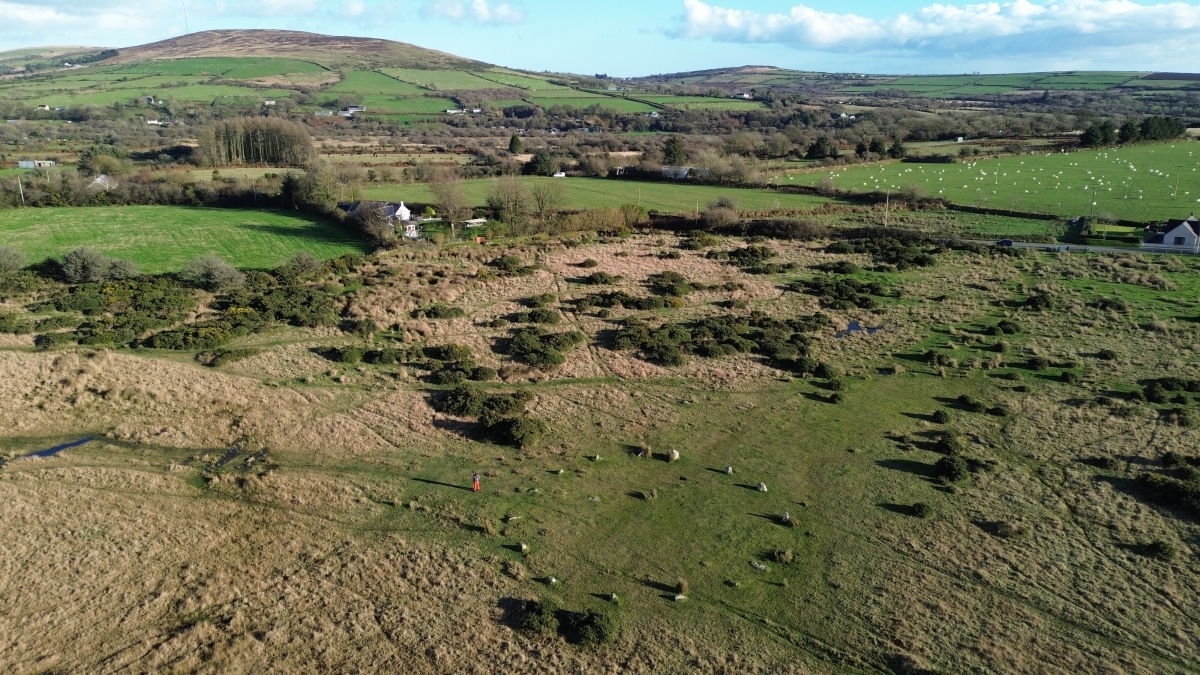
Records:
x=548, y=197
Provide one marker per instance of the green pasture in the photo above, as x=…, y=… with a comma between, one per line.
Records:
x=588, y=193
x=163, y=238
x=192, y=66
x=196, y=93
x=618, y=104
x=509, y=79
x=371, y=82
x=445, y=80
x=270, y=67
x=1151, y=182
x=387, y=105
x=569, y=93
x=831, y=467
x=703, y=102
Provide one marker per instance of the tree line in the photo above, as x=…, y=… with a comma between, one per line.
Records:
x=1104, y=132
x=256, y=140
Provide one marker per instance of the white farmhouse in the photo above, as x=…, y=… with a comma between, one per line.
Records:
x=1178, y=235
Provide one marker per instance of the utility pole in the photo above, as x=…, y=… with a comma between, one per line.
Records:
x=21, y=189
x=886, y=204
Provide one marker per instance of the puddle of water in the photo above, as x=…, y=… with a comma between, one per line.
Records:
x=855, y=327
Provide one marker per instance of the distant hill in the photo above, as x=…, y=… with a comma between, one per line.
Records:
x=327, y=50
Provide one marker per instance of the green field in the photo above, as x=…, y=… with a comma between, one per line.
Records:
x=966, y=85
x=386, y=105
x=618, y=104
x=702, y=102
x=196, y=66
x=269, y=67
x=589, y=193
x=163, y=238
x=1142, y=182
x=511, y=79
x=444, y=80
x=370, y=82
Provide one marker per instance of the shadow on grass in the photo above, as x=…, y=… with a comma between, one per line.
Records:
x=659, y=586
x=716, y=471
x=771, y=517
x=438, y=482
x=919, y=416
x=902, y=509
x=315, y=231
x=512, y=611
x=908, y=466
x=752, y=488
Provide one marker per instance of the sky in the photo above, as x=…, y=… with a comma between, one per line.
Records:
x=630, y=38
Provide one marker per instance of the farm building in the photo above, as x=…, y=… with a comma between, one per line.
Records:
x=35, y=163
x=363, y=209
x=1177, y=235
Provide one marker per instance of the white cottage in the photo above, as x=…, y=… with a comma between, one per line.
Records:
x=1178, y=235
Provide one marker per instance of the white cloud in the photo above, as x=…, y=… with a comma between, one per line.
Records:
x=478, y=11
x=1017, y=28
x=353, y=7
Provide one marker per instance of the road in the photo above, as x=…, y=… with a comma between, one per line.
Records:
x=1075, y=248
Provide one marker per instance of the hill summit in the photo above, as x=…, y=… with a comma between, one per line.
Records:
x=327, y=50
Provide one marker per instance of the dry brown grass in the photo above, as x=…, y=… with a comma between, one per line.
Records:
x=116, y=559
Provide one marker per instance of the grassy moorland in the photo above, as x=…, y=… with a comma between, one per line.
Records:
x=1002, y=479
x=1141, y=182
x=162, y=238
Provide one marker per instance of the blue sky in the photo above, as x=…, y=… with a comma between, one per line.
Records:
x=642, y=37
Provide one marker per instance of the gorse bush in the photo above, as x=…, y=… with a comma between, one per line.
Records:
x=261, y=301
x=540, y=301
x=670, y=283
x=783, y=341
x=539, y=616
x=541, y=349
x=911, y=252
x=511, y=266
x=601, y=279
x=502, y=416
x=617, y=299
x=951, y=469
x=699, y=239
x=841, y=293
x=439, y=311
x=592, y=628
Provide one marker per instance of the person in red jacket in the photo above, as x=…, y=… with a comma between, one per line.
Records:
x=475, y=479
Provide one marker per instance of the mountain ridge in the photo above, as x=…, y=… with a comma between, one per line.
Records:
x=326, y=50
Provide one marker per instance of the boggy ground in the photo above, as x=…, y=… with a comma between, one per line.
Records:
x=352, y=544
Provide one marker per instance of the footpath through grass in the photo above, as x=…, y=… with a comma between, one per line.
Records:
x=162, y=238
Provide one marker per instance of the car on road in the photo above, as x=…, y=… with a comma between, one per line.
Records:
x=1005, y=242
